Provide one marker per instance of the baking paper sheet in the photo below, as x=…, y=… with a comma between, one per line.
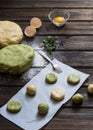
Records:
x=28, y=118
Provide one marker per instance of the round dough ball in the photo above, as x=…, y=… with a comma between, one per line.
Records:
x=10, y=33
x=90, y=88
x=51, y=78
x=73, y=79
x=57, y=94
x=77, y=98
x=43, y=108
x=14, y=106
x=15, y=59
x=31, y=90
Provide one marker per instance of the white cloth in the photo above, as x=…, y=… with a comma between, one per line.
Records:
x=28, y=117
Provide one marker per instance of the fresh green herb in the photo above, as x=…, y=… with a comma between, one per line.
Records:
x=49, y=44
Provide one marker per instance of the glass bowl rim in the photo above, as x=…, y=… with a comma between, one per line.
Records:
x=49, y=15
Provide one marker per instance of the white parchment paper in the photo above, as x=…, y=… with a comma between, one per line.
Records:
x=28, y=118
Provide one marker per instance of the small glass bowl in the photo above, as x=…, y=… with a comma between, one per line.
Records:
x=58, y=13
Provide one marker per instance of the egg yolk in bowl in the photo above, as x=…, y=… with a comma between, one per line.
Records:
x=59, y=19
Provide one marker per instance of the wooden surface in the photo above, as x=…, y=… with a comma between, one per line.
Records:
x=76, y=50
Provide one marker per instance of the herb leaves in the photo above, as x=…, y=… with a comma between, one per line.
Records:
x=49, y=44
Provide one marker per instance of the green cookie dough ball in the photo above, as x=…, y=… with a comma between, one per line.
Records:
x=73, y=79
x=90, y=88
x=77, y=98
x=43, y=108
x=14, y=106
x=51, y=78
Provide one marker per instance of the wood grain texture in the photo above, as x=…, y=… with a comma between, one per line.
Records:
x=46, y=4
x=75, y=49
x=76, y=58
x=27, y=14
x=68, y=119
x=65, y=43
x=70, y=29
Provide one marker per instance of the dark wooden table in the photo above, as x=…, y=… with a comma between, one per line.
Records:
x=75, y=50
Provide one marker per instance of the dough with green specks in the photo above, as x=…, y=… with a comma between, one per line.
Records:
x=14, y=106
x=15, y=59
x=77, y=98
x=73, y=78
x=51, y=78
x=43, y=108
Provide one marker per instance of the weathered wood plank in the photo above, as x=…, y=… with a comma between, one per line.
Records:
x=18, y=80
x=75, y=50
x=76, y=43
x=7, y=125
x=46, y=4
x=65, y=119
x=71, y=28
x=72, y=119
x=66, y=43
x=75, y=58
x=27, y=14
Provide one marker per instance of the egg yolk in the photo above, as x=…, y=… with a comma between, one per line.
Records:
x=59, y=19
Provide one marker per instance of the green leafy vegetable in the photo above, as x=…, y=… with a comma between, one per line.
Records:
x=49, y=44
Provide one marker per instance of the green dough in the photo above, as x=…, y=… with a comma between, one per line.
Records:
x=73, y=79
x=51, y=78
x=14, y=106
x=15, y=59
x=43, y=108
x=77, y=98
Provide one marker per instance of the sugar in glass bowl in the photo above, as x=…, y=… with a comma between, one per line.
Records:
x=58, y=17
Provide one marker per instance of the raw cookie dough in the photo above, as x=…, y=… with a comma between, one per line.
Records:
x=15, y=59
x=51, y=78
x=10, y=33
x=57, y=94
x=14, y=106
x=77, y=98
x=90, y=88
x=31, y=90
x=73, y=79
x=43, y=108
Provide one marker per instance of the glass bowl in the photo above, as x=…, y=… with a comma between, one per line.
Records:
x=58, y=13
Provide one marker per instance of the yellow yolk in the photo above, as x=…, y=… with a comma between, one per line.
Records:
x=59, y=19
